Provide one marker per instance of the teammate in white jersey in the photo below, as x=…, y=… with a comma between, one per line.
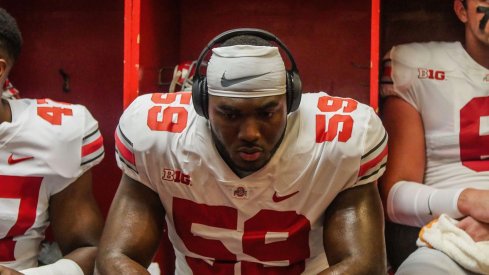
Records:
x=46, y=151
x=436, y=112
x=249, y=178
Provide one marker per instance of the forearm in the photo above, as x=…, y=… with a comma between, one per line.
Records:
x=416, y=204
x=84, y=257
x=117, y=263
x=81, y=261
x=355, y=265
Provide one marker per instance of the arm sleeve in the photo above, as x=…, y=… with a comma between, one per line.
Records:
x=400, y=72
x=92, y=150
x=374, y=157
x=130, y=157
x=78, y=147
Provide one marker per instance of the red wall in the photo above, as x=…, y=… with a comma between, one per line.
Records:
x=85, y=39
x=330, y=40
x=159, y=43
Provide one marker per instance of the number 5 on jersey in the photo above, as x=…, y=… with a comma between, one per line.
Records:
x=328, y=129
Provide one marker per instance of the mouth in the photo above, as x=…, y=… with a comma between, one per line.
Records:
x=250, y=153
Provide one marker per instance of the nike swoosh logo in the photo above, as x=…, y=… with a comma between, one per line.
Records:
x=230, y=82
x=11, y=160
x=277, y=198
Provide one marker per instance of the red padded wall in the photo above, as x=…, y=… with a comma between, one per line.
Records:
x=330, y=40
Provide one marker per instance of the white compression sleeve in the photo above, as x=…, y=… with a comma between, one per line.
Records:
x=415, y=204
x=61, y=267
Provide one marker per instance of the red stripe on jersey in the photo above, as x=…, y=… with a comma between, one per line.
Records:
x=372, y=163
x=124, y=151
x=93, y=146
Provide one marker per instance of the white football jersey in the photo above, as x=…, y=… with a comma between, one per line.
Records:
x=269, y=221
x=47, y=146
x=451, y=92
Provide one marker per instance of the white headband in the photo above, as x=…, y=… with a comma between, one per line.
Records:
x=246, y=71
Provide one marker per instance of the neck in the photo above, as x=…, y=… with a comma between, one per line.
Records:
x=5, y=112
x=478, y=50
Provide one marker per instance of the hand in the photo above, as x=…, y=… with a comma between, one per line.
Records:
x=8, y=271
x=475, y=203
x=479, y=231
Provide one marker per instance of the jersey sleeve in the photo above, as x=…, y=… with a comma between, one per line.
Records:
x=76, y=144
x=400, y=68
x=374, y=157
x=130, y=133
x=92, y=150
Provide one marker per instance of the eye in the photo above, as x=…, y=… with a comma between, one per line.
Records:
x=266, y=114
x=230, y=115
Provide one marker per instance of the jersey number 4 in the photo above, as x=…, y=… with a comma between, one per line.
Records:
x=26, y=191
x=52, y=114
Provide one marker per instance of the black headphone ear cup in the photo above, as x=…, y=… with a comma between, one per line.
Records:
x=294, y=91
x=204, y=98
x=196, y=95
x=288, y=91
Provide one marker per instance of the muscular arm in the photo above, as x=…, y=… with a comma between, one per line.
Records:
x=406, y=144
x=76, y=222
x=407, y=162
x=133, y=230
x=354, y=232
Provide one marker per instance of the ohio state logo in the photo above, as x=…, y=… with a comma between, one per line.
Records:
x=240, y=193
x=430, y=74
x=175, y=176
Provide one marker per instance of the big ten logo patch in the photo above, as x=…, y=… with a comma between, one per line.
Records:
x=175, y=176
x=430, y=74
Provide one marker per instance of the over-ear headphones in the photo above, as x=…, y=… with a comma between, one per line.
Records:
x=199, y=88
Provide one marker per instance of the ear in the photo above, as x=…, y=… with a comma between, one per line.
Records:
x=460, y=10
x=3, y=71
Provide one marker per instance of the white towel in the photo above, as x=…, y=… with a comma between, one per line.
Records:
x=444, y=235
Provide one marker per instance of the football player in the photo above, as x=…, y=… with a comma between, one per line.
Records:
x=47, y=150
x=250, y=178
x=436, y=113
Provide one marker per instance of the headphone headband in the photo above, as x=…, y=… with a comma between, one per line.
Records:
x=243, y=31
x=199, y=86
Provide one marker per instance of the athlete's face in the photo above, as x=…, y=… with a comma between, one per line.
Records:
x=476, y=18
x=247, y=130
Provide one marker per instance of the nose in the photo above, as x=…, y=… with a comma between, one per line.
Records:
x=249, y=131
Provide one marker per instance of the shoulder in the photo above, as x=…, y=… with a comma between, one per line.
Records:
x=322, y=102
x=64, y=120
x=154, y=125
x=335, y=118
x=416, y=55
x=67, y=136
x=157, y=115
x=153, y=118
